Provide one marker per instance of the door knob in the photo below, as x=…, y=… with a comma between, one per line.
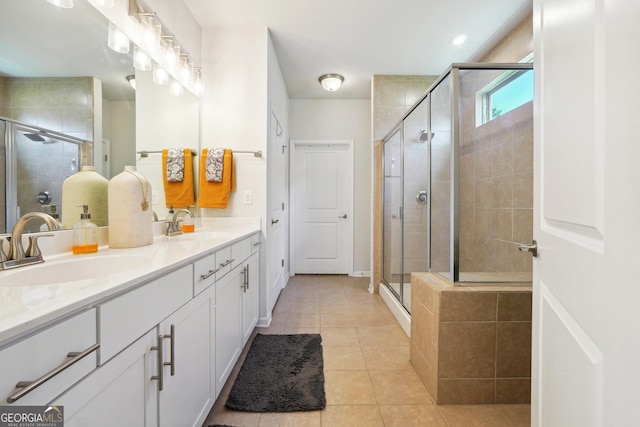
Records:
x=532, y=248
x=343, y=216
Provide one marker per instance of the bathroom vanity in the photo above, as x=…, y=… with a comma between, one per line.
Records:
x=148, y=346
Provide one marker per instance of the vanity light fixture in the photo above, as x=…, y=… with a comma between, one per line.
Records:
x=117, y=40
x=160, y=75
x=186, y=69
x=331, y=82
x=176, y=88
x=141, y=61
x=132, y=81
x=151, y=31
x=198, y=84
x=67, y=4
x=171, y=51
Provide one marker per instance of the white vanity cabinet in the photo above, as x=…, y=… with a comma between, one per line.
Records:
x=237, y=310
x=187, y=371
x=156, y=355
x=119, y=393
x=57, y=357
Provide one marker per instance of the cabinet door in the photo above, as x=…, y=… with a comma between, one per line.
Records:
x=119, y=393
x=250, y=306
x=228, y=324
x=188, y=363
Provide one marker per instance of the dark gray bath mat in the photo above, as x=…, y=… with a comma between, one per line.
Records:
x=282, y=373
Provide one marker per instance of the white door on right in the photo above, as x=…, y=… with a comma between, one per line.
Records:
x=322, y=182
x=586, y=317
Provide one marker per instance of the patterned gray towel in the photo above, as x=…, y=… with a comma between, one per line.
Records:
x=175, y=164
x=215, y=162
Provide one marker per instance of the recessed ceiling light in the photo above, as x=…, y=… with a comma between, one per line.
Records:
x=458, y=40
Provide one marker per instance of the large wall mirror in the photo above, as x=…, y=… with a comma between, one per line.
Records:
x=57, y=73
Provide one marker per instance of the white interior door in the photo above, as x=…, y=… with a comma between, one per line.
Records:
x=276, y=238
x=322, y=181
x=586, y=320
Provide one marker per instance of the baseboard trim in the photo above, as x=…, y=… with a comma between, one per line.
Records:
x=396, y=308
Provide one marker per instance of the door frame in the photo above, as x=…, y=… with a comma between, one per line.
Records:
x=349, y=143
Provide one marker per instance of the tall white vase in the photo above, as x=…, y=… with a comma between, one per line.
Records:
x=86, y=187
x=130, y=210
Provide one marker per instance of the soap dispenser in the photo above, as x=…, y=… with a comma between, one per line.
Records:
x=188, y=225
x=85, y=234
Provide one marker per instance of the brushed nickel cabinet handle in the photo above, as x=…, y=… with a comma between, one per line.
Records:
x=227, y=262
x=247, y=276
x=209, y=274
x=28, y=386
x=172, y=350
x=159, y=377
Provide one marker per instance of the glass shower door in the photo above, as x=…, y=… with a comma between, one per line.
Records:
x=415, y=240
x=392, y=213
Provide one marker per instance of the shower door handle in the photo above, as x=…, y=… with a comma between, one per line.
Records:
x=532, y=248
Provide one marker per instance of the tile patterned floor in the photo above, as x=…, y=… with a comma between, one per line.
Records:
x=368, y=378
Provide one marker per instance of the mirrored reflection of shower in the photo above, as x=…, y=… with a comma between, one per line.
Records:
x=36, y=161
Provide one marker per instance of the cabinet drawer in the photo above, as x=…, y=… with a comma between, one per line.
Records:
x=255, y=243
x=204, y=273
x=45, y=352
x=240, y=251
x=127, y=317
x=224, y=261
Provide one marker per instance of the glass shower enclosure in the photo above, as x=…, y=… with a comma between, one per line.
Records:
x=34, y=162
x=458, y=180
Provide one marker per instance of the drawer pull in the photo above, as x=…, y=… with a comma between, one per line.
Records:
x=209, y=274
x=160, y=376
x=172, y=336
x=28, y=386
x=227, y=262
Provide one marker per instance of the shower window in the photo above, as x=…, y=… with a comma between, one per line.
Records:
x=508, y=92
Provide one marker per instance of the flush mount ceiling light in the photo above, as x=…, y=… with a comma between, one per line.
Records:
x=458, y=40
x=331, y=82
x=62, y=3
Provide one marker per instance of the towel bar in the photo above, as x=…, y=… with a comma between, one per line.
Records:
x=145, y=153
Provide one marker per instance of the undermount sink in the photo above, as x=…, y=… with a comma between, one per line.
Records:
x=74, y=269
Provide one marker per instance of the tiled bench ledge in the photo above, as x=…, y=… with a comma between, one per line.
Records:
x=471, y=345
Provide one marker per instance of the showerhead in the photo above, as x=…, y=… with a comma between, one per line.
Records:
x=34, y=137
x=425, y=136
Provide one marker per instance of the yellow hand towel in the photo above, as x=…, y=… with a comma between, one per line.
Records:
x=216, y=194
x=179, y=194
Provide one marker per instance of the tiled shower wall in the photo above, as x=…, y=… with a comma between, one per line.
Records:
x=60, y=104
x=496, y=185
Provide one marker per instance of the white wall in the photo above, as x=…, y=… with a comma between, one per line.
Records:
x=234, y=110
x=343, y=119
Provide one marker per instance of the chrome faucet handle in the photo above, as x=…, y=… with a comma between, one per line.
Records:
x=33, y=250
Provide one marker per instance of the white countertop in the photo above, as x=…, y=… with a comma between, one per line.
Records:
x=24, y=308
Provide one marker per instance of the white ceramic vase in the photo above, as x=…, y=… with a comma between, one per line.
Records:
x=130, y=210
x=86, y=187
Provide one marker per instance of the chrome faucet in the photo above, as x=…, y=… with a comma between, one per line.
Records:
x=174, y=228
x=17, y=256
